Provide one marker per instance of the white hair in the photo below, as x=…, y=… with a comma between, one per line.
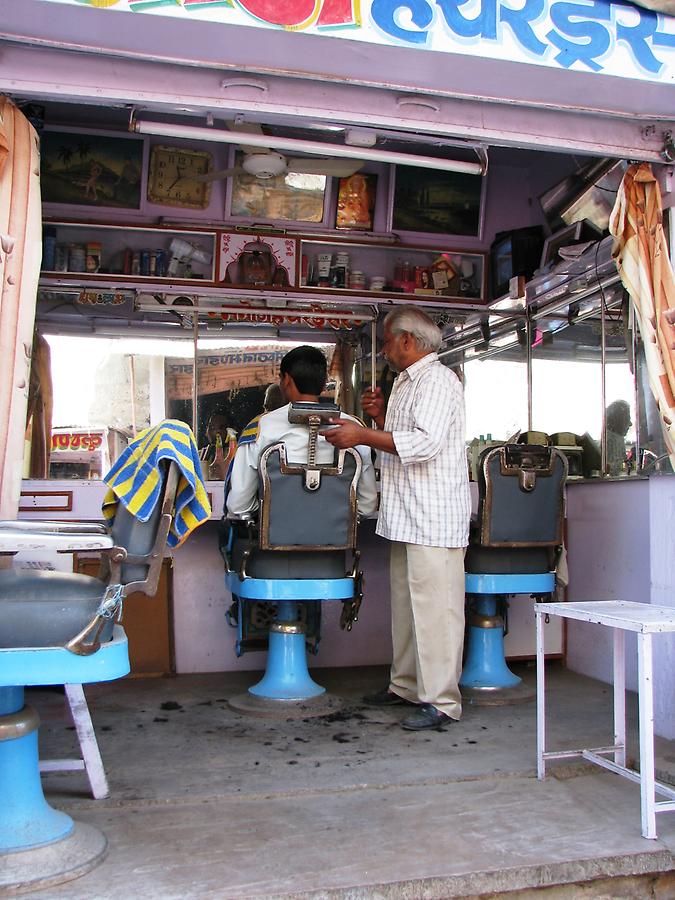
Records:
x=412, y=320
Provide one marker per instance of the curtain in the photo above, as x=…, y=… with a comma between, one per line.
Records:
x=20, y=255
x=40, y=406
x=641, y=255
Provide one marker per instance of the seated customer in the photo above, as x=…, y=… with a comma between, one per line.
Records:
x=303, y=378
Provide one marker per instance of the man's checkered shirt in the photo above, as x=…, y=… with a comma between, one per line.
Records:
x=425, y=489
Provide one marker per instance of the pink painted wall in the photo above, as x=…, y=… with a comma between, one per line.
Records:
x=620, y=547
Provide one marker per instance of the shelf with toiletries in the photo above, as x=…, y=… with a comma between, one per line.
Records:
x=74, y=250
x=392, y=268
x=238, y=260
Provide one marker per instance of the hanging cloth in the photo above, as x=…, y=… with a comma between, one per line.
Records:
x=20, y=255
x=135, y=479
x=641, y=255
x=40, y=408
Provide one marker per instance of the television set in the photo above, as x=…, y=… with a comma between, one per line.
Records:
x=512, y=253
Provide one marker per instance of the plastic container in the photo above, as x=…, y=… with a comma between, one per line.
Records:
x=77, y=258
x=61, y=258
x=357, y=280
x=49, y=249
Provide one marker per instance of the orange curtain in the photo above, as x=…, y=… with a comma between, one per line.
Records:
x=20, y=255
x=40, y=406
x=641, y=255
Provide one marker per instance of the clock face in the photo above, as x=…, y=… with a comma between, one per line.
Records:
x=171, y=180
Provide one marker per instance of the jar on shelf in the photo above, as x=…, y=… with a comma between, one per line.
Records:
x=61, y=258
x=49, y=248
x=377, y=283
x=77, y=258
x=357, y=280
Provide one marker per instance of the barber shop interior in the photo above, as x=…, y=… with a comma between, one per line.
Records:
x=338, y=442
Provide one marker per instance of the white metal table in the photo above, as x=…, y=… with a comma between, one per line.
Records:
x=621, y=616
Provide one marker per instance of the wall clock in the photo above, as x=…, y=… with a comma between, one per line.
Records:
x=171, y=181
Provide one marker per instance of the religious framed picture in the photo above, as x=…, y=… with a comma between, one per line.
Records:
x=437, y=202
x=356, y=202
x=90, y=169
x=287, y=197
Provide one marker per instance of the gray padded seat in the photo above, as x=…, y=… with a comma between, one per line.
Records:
x=47, y=609
x=292, y=564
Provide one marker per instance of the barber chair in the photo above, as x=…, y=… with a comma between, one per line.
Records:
x=512, y=550
x=59, y=628
x=295, y=553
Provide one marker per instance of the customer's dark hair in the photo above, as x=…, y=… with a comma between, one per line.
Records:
x=307, y=367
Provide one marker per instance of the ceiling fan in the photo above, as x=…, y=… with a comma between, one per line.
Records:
x=269, y=163
x=263, y=162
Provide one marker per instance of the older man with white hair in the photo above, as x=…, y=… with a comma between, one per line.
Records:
x=425, y=508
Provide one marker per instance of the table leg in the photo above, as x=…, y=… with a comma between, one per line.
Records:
x=646, y=707
x=541, y=700
x=620, y=696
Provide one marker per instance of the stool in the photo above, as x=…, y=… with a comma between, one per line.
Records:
x=90, y=758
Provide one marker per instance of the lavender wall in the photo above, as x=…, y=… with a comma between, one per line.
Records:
x=620, y=547
x=662, y=573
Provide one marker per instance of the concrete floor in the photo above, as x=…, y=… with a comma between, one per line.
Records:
x=208, y=803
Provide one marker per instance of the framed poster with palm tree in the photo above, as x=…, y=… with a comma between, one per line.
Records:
x=91, y=169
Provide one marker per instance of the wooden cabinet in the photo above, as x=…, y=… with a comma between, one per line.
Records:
x=147, y=622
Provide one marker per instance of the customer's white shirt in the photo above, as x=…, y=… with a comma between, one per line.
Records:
x=425, y=489
x=274, y=427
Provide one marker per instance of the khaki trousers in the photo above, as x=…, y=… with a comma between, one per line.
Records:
x=427, y=624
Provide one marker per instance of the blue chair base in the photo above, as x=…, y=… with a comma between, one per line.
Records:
x=485, y=667
x=27, y=821
x=286, y=675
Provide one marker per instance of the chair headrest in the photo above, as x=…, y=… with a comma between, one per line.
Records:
x=527, y=456
x=306, y=413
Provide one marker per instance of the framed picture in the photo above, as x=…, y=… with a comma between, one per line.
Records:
x=437, y=202
x=356, y=202
x=289, y=197
x=91, y=169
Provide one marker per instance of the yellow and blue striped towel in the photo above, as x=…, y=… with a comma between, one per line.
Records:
x=135, y=479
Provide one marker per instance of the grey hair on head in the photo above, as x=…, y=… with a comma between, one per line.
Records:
x=412, y=320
